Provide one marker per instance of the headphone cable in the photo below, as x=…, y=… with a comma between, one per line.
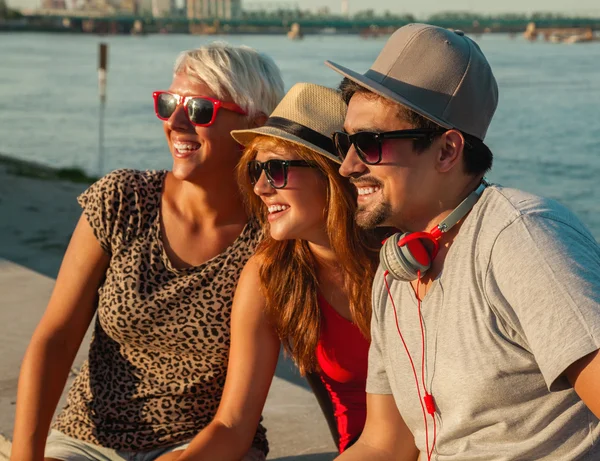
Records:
x=427, y=403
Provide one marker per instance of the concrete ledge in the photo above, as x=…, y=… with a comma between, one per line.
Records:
x=24, y=297
x=296, y=428
x=4, y=449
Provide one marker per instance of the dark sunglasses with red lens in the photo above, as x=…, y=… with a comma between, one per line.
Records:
x=276, y=170
x=200, y=110
x=368, y=145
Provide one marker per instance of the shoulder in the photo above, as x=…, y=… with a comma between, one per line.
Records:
x=513, y=211
x=252, y=268
x=504, y=205
x=124, y=192
x=121, y=204
x=122, y=183
x=249, y=289
x=503, y=211
x=543, y=249
x=134, y=181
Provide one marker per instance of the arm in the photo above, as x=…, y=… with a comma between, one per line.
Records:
x=252, y=359
x=584, y=376
x=385, y=436
x=55, y=342
x=545, y=279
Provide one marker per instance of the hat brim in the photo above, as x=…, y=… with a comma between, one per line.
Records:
x=383, y=91
x=245, y=137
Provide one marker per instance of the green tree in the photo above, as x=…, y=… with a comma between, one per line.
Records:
x=365, y=14
x=398, y=17
x=546, y=15
x=451, y=16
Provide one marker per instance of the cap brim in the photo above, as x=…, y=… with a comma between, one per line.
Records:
x=245, y=137
x=383, y=91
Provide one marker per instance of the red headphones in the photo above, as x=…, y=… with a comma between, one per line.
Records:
x=406, y=258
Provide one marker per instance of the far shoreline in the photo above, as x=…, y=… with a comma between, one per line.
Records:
x=26, y=168
x=125, y=23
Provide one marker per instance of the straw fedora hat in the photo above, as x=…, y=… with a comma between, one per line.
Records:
x=307, y=115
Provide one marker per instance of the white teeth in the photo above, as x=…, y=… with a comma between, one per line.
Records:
x=184, y=146
x=367, y=190
x=276, y=208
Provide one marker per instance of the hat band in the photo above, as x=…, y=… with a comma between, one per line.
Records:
x=302, y=132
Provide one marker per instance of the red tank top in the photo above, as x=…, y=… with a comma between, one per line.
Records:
x=342, y=355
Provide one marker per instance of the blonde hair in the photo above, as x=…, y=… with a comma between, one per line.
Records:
x=288, y=272
x=250, y=78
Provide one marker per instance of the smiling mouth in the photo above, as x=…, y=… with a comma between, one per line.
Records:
x=185, y=149
x=274, y=209
x=365, y=191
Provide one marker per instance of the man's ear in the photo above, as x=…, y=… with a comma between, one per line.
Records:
x=451, y=150
x=258, y=120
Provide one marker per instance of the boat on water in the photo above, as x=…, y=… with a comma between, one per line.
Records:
x=561, y=35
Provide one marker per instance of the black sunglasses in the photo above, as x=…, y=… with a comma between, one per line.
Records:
x=276, y=170
x=368, y=144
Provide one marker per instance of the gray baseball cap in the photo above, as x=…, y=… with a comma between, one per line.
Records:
x=439, y=73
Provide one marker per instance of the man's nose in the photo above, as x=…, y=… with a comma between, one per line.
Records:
x=352, y=165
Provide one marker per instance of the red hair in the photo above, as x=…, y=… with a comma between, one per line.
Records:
x=289, y=269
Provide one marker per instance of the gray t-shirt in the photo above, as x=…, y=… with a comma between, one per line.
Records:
x=517, y=302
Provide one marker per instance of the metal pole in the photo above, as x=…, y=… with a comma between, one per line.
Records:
x=102, y=67
x=101, y=140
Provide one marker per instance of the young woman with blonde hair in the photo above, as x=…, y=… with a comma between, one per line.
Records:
x=155, y=258
x=307, y=286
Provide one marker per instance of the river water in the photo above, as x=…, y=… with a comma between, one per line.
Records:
x=545, y=135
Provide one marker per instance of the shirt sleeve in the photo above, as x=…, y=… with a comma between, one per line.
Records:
x=112, y=208
x=544, y=279
x=377, y=379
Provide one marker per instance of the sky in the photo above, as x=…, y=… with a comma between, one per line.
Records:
x=423, y=8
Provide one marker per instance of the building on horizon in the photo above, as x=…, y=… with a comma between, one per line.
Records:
x=154, y=8
x=161, y=8
x=54, y=4
x=345, y=8
x=214, y=9
x=130, y=7
x=106, y=7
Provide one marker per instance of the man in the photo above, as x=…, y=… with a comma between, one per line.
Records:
x=486, y=328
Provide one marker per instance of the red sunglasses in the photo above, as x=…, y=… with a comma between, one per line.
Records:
x=200, y=110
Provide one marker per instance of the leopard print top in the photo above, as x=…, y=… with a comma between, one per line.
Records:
x=158, y=357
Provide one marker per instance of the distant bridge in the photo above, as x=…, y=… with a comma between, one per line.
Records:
x=124, y=21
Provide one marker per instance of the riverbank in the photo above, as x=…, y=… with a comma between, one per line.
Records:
x=39, y=212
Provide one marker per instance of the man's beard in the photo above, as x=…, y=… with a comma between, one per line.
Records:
x=374, y=218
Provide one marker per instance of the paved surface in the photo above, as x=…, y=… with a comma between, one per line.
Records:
x=295, y=425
